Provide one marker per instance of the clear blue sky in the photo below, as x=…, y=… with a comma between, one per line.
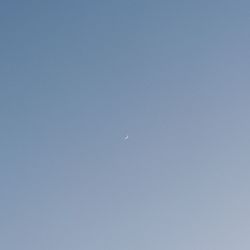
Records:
x=76, y=77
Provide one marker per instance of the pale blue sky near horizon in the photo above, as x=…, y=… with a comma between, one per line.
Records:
x=76, y=77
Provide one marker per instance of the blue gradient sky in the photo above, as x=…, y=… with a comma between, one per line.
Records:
x=76, y=77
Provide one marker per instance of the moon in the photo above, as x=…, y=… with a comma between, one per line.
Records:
x=126, y=137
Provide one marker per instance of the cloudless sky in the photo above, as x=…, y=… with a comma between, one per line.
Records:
x=76, y=77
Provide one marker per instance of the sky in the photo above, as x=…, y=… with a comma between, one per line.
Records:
x=77, y=77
